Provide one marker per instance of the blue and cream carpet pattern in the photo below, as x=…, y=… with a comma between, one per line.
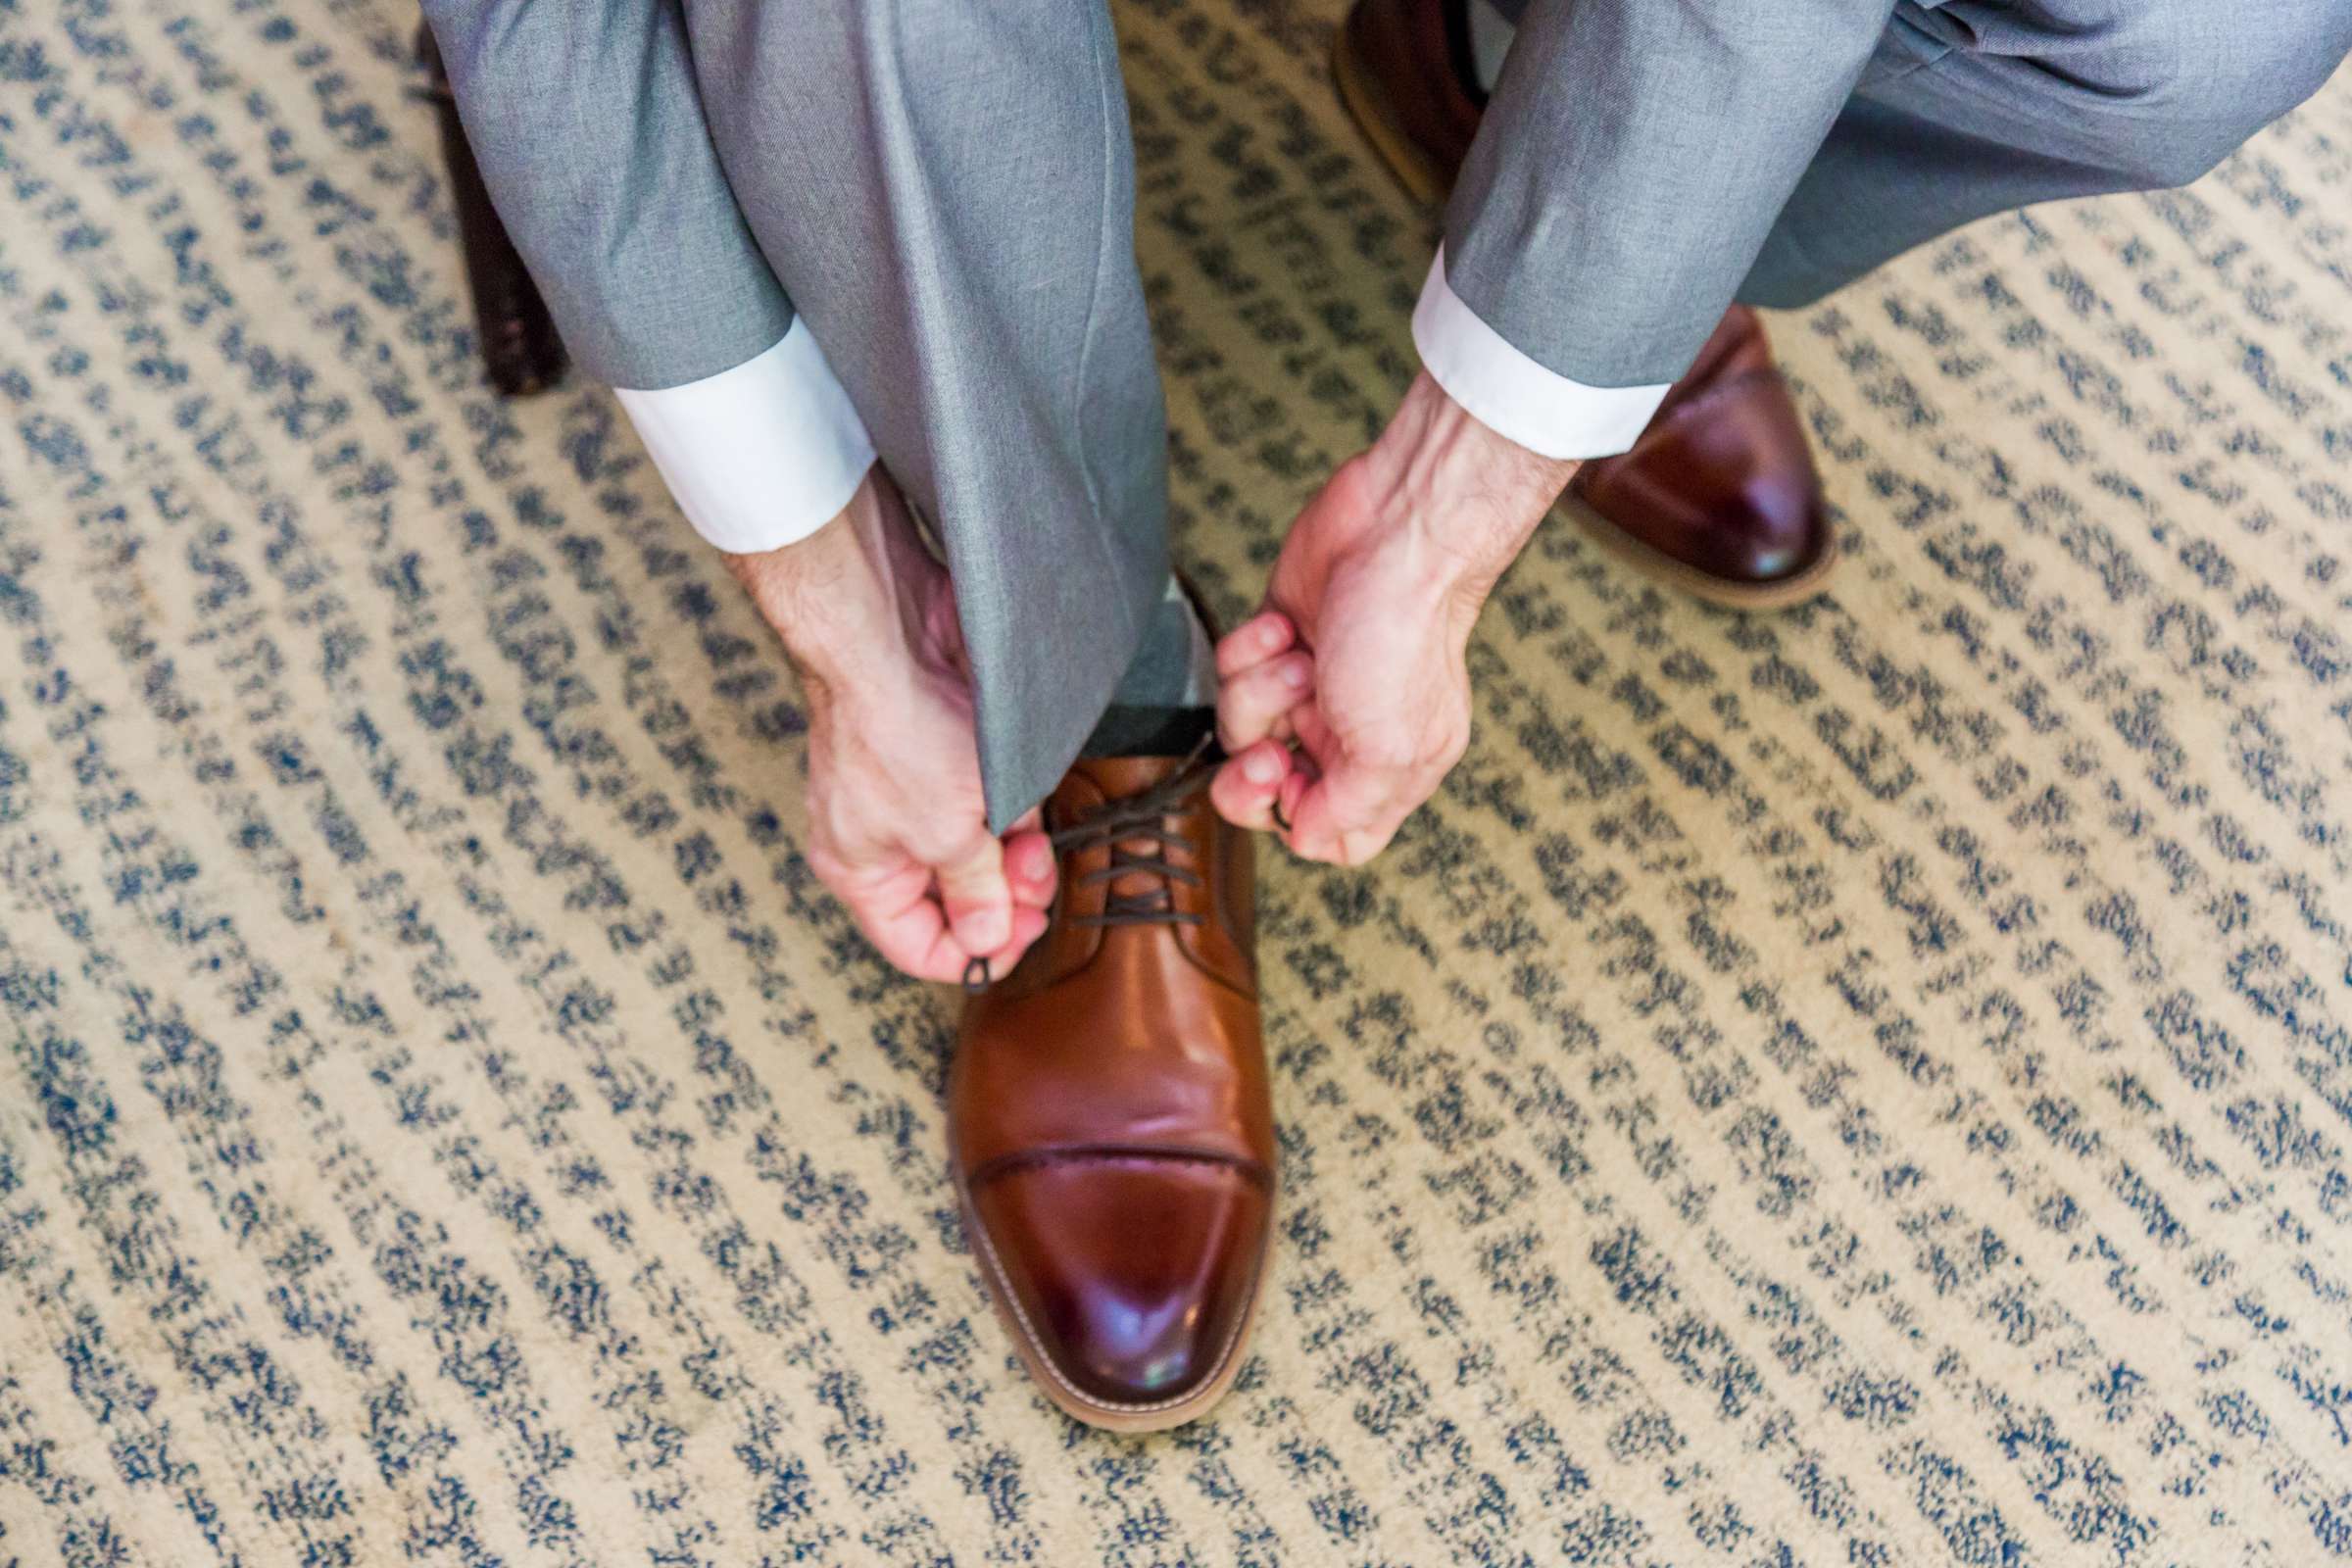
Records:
x=1868, y=1085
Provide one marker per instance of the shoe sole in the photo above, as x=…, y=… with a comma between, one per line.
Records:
x=1368, y=105
x=1150, y=1416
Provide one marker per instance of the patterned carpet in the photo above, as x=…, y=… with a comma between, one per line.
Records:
x=1866, y=1085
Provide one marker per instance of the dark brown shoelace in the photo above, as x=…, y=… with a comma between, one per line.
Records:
x=1119, y=824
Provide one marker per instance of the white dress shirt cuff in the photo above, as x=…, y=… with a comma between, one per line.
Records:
x=760, y=456
x=1511, y=394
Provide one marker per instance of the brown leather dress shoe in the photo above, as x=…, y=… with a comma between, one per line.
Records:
x=1719, y=496
x=1111, y=1135
x=520, y=348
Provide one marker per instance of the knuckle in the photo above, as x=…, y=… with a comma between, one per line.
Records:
x=970, y=855
x=935, y=843
x=1385, y=747
x=831, y=868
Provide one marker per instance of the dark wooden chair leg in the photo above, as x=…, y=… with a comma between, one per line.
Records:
x=520, y=348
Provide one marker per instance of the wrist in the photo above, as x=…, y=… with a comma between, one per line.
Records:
x=845, y=600
x=1473, y=494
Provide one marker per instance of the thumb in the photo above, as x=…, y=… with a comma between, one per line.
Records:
x=1346, y=817
x=977, y=896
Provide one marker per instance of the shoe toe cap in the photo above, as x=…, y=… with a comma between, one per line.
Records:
x=1770, y=528
x=1131, y=1275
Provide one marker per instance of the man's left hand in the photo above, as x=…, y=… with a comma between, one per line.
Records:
x=1347, y=700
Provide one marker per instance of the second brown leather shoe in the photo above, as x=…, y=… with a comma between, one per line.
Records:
x=1112, y=1140
x=1719, y=496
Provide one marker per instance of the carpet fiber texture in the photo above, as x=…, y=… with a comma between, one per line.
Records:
x=1863, y=1085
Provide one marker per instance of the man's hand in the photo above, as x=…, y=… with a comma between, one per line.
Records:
x=1348, y=699
x=897, y=827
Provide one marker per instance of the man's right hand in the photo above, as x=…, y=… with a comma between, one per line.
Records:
x=896, y=825
x=1359, y=656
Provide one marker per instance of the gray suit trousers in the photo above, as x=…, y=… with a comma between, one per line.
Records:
x=945, y=190
x=1643, y=162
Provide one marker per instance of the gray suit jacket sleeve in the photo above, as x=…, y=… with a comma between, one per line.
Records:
x=585, y=118
x=1632, y=161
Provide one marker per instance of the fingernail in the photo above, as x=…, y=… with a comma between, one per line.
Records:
x=1038, y=863
x=1295, y=675
x=1261, y=768
x=988, y=931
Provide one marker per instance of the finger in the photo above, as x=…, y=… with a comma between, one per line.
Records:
x=1245, y=788
x=1255, y=641
x=1252, y=705
x=1027, y=926
x=1029, y=868
x=1314, y=734
x=904, y=924
x=977, y=897
x=1032, y=893
x=1347, y=815
x=1286, y=802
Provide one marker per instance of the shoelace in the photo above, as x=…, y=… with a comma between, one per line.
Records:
x=1119, y=823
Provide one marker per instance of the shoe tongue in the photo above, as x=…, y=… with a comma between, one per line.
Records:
x=1094, y=779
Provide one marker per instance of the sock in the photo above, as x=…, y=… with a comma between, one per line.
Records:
x=1167, y=699
x=1490, y=36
